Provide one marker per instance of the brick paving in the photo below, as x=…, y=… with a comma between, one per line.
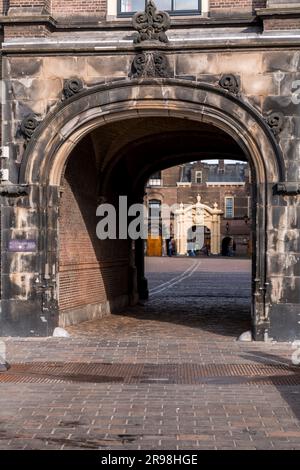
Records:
x=197, y=310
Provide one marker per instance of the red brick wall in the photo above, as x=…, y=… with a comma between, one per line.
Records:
x=98, y=7
x=237, y=4
x=60, y=8
x=2, y=7
x=282, y=24
x=27, y=4
x=78, y=7
x=91, y=271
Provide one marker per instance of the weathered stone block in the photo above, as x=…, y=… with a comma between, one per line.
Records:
x=276, y=61
x=64, y=67
x=109, y=66
x=16, y=67
x=258, y=84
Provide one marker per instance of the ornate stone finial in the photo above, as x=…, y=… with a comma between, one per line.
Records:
x=215, y=205
x=199, y=199
x=28, y=126
x=230, y=83
x=72, y=87
x=275, y=121
x=181, y=206
x=151, y=24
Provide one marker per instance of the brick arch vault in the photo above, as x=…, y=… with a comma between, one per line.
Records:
x=37, y=311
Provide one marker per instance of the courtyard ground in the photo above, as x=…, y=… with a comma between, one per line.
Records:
x=166, y=374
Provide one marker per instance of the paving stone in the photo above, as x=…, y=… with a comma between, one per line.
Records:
x=179, y=326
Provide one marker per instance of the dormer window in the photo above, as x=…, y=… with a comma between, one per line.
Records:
x=174, y=7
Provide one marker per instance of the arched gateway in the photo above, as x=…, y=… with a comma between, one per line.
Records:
x=67, y=130
x=198, y=215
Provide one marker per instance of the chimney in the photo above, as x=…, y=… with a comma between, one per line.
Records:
x=221, y=166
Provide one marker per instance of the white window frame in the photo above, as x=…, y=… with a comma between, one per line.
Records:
x=155, y=182
x=226, y=214
x=197, y=174
x=112, y=10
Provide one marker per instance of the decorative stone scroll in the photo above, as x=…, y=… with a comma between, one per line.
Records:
x=276, y=122
x=72, y=87
x=28, y=126
x=150, y=64
x=151, y=24
x=230, y=83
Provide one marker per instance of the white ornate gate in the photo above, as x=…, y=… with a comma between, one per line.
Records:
x=198, y=215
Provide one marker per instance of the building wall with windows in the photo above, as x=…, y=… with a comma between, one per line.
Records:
x=228, y=185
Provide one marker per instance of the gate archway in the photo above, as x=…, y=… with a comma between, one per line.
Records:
x=201, y=216
x=48, y=151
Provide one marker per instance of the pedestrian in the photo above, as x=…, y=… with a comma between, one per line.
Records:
x=170, y=248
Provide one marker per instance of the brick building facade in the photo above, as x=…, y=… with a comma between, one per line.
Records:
x=226, y=185
x=93, y=103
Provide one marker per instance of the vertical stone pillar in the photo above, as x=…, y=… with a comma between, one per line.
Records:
x=216, y=231
x=179, y=231
x=28, y=253
x=142, y=283
x=214, y=236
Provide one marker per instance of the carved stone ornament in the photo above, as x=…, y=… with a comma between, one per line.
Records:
x=28, y=126
x=72, y=87
x=150, y=64
x=275, y=121
x=151, y=24
x=230, y=83
x=288, y=188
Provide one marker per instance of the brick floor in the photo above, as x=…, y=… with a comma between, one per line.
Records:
x=197, y=310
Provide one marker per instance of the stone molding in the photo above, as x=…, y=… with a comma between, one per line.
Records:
x=288, y=188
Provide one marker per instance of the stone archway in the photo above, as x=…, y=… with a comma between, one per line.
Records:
x=198, y=215
x=46, y=155
x=72, y=120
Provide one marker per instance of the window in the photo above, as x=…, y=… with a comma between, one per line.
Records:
x=154, y=182
x=154, y=208
x=229, y=207
x=198, y=177
x=155, y=179
x=154, y=222
x=127, y=7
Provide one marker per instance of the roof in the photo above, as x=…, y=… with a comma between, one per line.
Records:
x=232, y=173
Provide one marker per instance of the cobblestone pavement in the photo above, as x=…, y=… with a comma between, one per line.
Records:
x=248, y=398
